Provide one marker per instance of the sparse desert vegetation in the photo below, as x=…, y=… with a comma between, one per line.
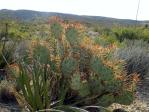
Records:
x=71, y=66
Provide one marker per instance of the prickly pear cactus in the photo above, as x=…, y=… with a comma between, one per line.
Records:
x=106, y=100
x=126, y=97
x=72, y=36
x=56, y=30
x=80, y=86
x=91, y=78
x=99, y=68
x=69, y=65
x=41, y=53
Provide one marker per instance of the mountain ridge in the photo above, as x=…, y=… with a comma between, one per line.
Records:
x=29, y=15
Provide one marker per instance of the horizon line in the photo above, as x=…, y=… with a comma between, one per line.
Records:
x=73, y=14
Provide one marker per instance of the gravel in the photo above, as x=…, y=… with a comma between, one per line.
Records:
x=141, y=103
x=136, y=106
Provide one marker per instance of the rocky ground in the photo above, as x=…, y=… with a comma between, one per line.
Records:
x=136, y=106
x=9, y=108
x=141, y=104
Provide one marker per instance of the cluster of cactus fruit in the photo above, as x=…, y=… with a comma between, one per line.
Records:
x=68, y=72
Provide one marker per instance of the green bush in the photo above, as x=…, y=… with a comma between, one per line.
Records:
x=131, y=34
x=106, y=40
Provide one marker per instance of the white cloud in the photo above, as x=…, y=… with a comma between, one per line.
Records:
x=125, y=9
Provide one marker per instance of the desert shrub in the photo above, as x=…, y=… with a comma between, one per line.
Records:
x=107, y=31
x=100, y=41
x=145, y=33
x=136, y=55
x=131, y=33
x=106, y=40
x=75, y=75
x=128, y=33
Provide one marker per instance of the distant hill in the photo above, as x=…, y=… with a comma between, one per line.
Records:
x=29, y=15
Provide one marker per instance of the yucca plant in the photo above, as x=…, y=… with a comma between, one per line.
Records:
x=33, y=79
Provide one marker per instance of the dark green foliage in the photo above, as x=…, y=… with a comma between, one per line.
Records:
x=60, y=49
x=37, y=94
x=113, y=86
x=76, y=81
x=96, y=65
x=131, y=33
x=126, y=97
x=72, y=36
x=106, y=100
x=56, y=30
x=35, y=87
x=84, y=64
x=84, y=89
x=69, y=65
x=99, y=68
x=97, y=85
x=100, y=41
x=106, y=73
x=106, y=40
x=41, y=53
x=127, y=34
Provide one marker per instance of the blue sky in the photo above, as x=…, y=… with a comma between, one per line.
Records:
x=124, y=9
